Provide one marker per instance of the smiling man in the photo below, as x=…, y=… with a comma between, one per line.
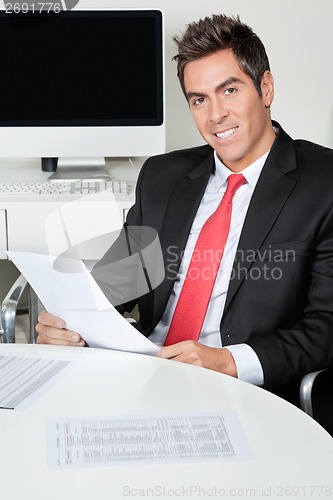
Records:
x=229, y=112
x=245, y=224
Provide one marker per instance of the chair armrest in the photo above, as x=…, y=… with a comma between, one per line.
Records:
x=8, y=309
x=33, y=315
x=305, y=394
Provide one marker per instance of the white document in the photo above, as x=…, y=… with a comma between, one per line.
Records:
x=23, y=379
x=155, y=439
x=67, y=290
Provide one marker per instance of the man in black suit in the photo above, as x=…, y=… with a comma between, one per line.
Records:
x=270, y=316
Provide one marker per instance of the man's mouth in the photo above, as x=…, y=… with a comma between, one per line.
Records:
x=226, y=133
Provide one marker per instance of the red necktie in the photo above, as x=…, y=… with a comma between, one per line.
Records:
x=194, y=298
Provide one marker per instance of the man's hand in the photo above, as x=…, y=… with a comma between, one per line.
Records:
x=52, y=330
x=194, y=353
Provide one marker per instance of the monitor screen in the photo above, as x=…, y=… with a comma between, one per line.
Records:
x=82, y=83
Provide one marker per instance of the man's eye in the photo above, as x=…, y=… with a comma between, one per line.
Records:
x=198, y=101
x=230, y=90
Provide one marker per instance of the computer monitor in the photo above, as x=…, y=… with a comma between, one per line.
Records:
x=81, y=84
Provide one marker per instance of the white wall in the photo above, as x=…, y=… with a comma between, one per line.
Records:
x=298, y=36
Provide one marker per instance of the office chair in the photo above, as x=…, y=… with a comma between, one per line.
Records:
x=306, y=388
x=316, y=397
x=9, y=311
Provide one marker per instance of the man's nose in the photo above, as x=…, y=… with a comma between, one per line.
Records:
x=218, y=110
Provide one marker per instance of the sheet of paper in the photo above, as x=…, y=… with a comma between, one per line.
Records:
x=23, y=379
x=67, y=290
x=155, y=439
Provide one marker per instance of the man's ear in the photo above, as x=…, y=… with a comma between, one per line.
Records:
x=267, y=88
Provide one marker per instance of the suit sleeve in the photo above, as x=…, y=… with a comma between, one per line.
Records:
x=290, y=353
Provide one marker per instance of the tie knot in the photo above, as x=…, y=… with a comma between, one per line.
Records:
x=234, y=182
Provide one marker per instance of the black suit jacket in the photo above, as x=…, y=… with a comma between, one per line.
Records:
x=280, y=297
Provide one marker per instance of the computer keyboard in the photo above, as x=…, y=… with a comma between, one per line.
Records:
x=80, y=187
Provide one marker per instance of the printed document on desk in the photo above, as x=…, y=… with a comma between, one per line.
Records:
x=67, y=290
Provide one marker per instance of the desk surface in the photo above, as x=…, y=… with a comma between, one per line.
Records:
x=293, y=454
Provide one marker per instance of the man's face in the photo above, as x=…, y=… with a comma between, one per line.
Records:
x=227, y=109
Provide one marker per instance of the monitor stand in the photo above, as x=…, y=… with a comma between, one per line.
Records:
x=76, y=169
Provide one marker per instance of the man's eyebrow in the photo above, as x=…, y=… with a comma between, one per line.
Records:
x=190, y=95
x=230, y=81
x=226, y=83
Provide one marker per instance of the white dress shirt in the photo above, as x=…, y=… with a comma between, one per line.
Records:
x=247, y=362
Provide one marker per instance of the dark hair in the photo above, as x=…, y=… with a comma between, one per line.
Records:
x=220, y=32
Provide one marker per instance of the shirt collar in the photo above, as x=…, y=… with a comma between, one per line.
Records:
x=251, y=173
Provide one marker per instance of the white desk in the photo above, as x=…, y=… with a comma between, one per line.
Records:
x=23, y=219
x=294, y=455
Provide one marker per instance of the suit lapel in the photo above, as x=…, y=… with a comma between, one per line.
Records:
x=271, y=193
x=183, y=204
